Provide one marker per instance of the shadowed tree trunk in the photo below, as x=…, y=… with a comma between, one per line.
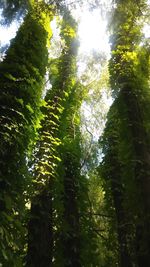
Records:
x=40, y=238
x=129, y=70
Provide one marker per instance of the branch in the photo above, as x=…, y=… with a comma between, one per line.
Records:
x=98, y=233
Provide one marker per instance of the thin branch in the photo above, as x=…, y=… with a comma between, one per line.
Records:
x=99, y=234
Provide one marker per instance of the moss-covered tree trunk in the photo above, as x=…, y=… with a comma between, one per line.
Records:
x=121, y=217
x=69, y=171
x=129, y=73
x=141, y=147
x=21, y=83
x=40, y=237
x=112, y=173
x=43, y=215
x=71, y=233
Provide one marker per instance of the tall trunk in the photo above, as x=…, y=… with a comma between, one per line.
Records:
x=113, y=174
x=69, y=172
x=40, y=238
x=46, y=155
x=125, y=258
x=142, y=168
x=40, y=226
x=71, y=238
x=129, y=76
x=21, y=83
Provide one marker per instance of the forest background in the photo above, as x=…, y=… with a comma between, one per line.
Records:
x=74, y=179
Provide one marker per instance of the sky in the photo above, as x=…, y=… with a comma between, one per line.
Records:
x=7, y=33
x=92, y=32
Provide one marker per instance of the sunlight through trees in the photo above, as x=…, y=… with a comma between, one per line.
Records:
x=74, y=133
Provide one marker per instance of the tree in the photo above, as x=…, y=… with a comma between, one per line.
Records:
x=22, y=79
x=62, y=77
x=116, y=149
x=69, y=172
x=129, y=145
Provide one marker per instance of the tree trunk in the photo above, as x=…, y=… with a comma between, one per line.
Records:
x=142, y=176
x=21, y=83
x=71, y=238
x=40, y=232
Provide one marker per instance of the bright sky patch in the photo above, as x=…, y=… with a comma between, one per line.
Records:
x=93, y=32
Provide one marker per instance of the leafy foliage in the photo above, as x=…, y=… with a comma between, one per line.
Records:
x=126, y=139
x=22, y=77
x=78, y=214
x=47, y=154
x=13, y=10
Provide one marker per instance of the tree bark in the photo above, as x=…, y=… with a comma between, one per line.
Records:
x=40, y=232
